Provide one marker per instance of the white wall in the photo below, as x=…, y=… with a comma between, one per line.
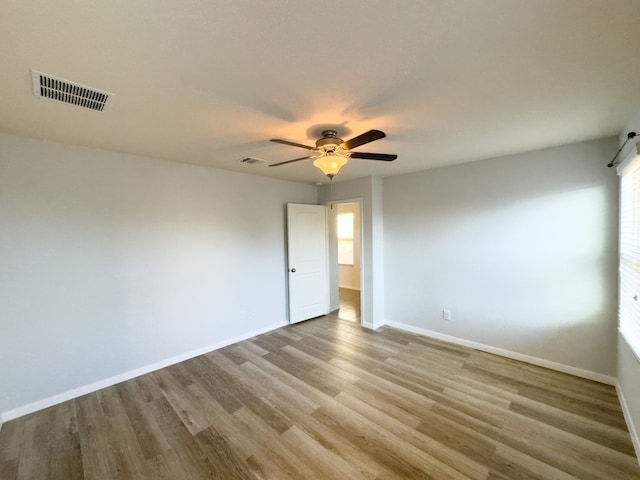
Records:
x=111, y=263
x=521, y=249
x=369, y=192
x=349, y=275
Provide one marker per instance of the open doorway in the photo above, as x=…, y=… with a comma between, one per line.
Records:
x=348, y=228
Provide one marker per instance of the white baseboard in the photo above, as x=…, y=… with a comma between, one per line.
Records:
x=378, y=325
x=373, y=326
x=107, y=382
x=578, y=372
x=627, y=417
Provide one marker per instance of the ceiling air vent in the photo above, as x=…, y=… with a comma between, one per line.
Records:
x=48, y=86
x=253, y=161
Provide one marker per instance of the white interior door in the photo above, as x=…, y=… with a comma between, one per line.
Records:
x=307, y=261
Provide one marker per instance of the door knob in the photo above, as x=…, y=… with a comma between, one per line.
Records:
x=293, y=270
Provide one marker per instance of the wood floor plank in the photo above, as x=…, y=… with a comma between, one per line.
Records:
x=231, y=353
x=436, y=344
x=354, y=337
x=269, y=344
x=208, y=379
x=228, y=465
x=265, y=385
x=148, y=388
x=36, y=452
x=9, y=469
x=145, y=426
x=165, y=466
x=65, y=461
x=107, y=441
x=183, y=401
x=586, y=408
x=543, y=382
x=439, y=451
x=94, y=437
x=184, y=373
x=567, y=452
x=324, y=400
x=224, y=422
x=271, y=454
x=316, y=364
x=333, y=443
x=12, y=438
x=457, y=437
x=300, y=370
x=249, y=400
x=597, y=432
x=512, y=464
x=397, y=456
x=438, y=382
x=306, y=345
x=398, y=336
x=551, y=379
x=406, y=416
x=437, y=352
x=367, y=351
x=253, y=348
x=318, y=461
x=127, y=455
x=426, y=398
x=191, y=460
x=290, y=380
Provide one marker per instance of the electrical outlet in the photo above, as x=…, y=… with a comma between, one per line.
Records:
x=446, y=315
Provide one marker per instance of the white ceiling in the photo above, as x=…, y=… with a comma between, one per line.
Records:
x=208, y=82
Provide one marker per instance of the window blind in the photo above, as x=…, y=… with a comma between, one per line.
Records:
x=345, y=239
x=629, y=303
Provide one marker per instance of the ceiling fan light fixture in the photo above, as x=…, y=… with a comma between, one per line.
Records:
x=330, y=164
x=334, y=153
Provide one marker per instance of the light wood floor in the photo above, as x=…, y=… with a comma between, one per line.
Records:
x=349, y=305
x=326, y=399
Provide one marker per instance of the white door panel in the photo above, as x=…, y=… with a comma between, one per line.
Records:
x=307, y=257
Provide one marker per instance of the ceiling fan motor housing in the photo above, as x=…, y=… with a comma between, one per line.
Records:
x=329, y=138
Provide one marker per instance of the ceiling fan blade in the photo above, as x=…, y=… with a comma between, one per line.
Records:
x=385, y=157
x=366, y=137
x=293, y=144
x=290, y=161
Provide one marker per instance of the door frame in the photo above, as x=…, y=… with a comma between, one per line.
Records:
x=332, y=259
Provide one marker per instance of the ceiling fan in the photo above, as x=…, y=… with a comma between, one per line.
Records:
x=334, y=153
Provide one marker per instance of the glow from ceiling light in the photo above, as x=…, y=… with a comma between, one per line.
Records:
x=330, y=163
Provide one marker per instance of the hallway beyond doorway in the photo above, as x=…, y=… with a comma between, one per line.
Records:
x=349, y=305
